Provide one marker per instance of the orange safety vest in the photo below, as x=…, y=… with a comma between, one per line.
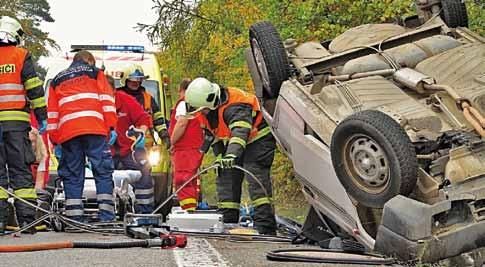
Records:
x=12, y=92
x=147, y=102
x=236, y=96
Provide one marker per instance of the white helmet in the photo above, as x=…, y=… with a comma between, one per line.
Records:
x=201, y=93
x=10, y=30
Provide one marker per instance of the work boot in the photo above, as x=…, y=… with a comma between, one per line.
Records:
x=25, y=215
x=229, y=215
x=265, y=231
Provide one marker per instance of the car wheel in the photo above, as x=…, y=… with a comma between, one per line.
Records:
x=56, y=224
x=373, y=158
x=270, y=57
x=454, y=13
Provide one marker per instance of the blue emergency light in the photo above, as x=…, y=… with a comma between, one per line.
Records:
x=119, y=48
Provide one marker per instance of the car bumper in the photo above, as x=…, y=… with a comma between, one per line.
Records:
x=413, y=230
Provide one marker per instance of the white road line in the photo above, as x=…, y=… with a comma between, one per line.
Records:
x=198, y=253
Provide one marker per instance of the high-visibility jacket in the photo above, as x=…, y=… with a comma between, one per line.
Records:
x=246, y=122
x=20, y=87
x=129, y=113
x=192, y=137
x=81, y=102
x=237, y=96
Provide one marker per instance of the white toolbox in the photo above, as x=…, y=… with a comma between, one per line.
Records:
x=198, y=221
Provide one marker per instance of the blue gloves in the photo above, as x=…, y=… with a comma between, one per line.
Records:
x=137, y=135
x=42, y=126
x=227, y=162
x=58, y=152
x=140, y=142
x=112, y=137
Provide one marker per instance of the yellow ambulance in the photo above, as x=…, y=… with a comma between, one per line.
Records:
x=113, y=59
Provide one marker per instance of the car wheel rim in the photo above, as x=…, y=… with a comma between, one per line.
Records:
x=258, y=57
x=367, y=164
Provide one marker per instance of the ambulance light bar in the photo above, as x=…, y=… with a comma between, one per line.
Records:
x=119, y=48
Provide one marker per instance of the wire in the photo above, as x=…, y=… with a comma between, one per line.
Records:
x=182, y=186
x=215, y=165
x=68, y=221
x=28, y=226
x=255, y=178
x=237, y=238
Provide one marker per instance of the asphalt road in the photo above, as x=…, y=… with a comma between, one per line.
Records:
x=199, y=252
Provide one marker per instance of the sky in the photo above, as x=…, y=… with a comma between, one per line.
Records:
x=95, y=21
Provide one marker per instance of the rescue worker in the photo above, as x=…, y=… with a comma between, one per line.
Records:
x=19, y=85
x=235, y=117
x=186, y=138
x=131, y=113
x=81, y=114
x=131, y=83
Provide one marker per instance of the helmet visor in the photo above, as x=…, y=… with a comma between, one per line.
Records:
x=136, y=79
x=137, y=76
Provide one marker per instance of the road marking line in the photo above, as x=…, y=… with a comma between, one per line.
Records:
x=198, y=253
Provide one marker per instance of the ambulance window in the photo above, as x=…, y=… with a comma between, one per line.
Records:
x=150, y=85
x=153, y=89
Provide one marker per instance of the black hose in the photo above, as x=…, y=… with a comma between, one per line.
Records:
x=111, y=245
x=327, y=256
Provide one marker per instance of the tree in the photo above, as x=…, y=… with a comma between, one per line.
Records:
x=31, y=13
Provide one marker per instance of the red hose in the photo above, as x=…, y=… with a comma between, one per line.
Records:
x=36, y=247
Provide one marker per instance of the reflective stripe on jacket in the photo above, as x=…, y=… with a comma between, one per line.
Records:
x=237, y=96
x=81, y=102
x=12, y=91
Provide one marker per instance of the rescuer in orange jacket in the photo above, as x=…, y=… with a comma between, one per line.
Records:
x=20, y=89
x=186, y=138
x=81, y=114
x=234, y=116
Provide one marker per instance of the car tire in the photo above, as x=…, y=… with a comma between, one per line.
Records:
x=270, y=57
x=454, y=13
x=373, y=158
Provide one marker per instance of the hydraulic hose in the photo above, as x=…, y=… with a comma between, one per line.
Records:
x=36, y=247
x=49, y=214
x=327, y=256
x=239, y=238
x=148, y=243
x=215, y=165
x=183, y=185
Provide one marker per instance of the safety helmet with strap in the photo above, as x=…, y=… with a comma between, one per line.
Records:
x=10, y=30
x=132, y=72
x=201, y=93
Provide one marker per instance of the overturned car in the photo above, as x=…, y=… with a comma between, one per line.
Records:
x=385, y=126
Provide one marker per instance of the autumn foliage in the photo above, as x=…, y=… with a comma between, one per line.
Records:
x=208, y=38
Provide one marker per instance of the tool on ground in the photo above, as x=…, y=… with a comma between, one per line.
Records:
x=148, y=226
x=197, y=221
